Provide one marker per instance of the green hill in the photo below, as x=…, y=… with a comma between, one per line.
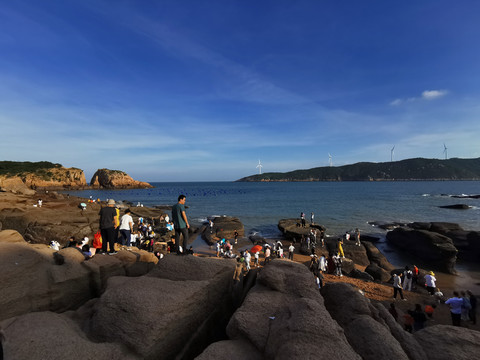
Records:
x=19, y=168
x=411, y=169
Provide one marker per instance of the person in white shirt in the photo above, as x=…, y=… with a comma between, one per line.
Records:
x=397, y=286
x=248, y=257
x=256, y=256
x=430, y=282
x=291, y=249
x=126, y=227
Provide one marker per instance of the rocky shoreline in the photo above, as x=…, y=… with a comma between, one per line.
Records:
x=27, y=178
x=133, y=306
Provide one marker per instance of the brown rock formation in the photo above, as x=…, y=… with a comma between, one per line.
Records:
x=282, y=315
x=59, y=217
x=56, y=177
x=445, y=342
x=116, y=179
x=31, y=281
x=15, y=185
x=224, y=227
x=162, y=315
x=364, y=325
x=430, y=246
x=55, y=337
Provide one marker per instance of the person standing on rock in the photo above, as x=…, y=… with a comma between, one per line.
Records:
x=180, y=224
x=407, y=279
x=238, y=270
x=302, y=218
x=415, y=277
x=108, y=219
x=430, y=282
x=455, y=304
x=340, y=247
x=247, y=257
x=312, y=218
x=397, y=286
x=217, y=248
x=357, y=237
x=337, y=260
x=291, y=249
x=419, y=317
x=472, y=314
x=267, y=255
x=322, y=264
x=126, y=228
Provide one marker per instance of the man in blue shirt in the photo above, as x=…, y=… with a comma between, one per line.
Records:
x=180, y=224
x=455, y=304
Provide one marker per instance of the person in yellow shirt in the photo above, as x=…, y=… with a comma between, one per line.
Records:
x=340, y=248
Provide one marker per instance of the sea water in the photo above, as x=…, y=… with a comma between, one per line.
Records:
x=339, y=206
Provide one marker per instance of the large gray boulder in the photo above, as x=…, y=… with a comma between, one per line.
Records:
x=437, y=250
x=445, y=342
x=162, y=315
x=291, y=230
x=362, y=275
x=281, y=316
x=47, y=335
x=364, y=325
x=378, y=273
x=230, y=350
x=467, y=242
x=36, y=278
x=224, y=227
x=358, y=254
x=375, y=256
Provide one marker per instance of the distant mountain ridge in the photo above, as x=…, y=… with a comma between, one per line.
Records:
x=417, y=169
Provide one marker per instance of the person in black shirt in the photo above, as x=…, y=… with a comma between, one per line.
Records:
x=107, y=226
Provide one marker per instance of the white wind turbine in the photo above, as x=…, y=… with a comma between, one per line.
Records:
x=391, y=153
x=330, y=162
x=259, y=167
x=445, y=151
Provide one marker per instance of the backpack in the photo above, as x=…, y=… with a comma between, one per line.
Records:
x=409, y=274
x=97, y=240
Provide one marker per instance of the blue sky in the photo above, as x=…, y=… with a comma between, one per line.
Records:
x=201, y=90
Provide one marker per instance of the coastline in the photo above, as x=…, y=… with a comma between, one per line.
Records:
x=127, y=267
x=468, y=277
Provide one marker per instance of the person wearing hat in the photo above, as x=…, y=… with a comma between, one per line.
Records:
x=430, y=282
x=108, y=220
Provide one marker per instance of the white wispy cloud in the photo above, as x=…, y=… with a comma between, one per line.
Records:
x=433, y=94
x=426, y=95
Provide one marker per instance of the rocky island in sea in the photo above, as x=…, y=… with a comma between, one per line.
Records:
x=25, y=177
x=133, y=305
